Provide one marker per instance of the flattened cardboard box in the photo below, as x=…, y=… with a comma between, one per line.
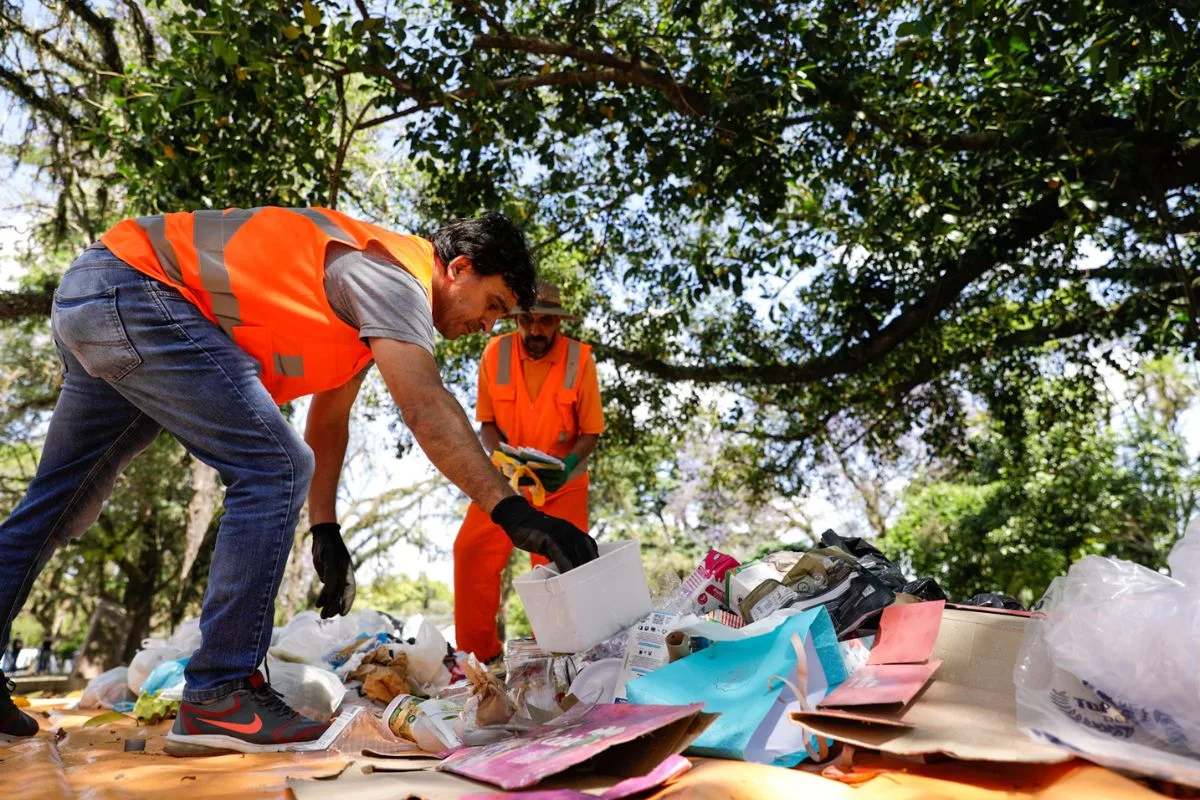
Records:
x=968, y=711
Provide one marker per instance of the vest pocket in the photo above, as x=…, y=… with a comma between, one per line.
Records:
x=91, y=328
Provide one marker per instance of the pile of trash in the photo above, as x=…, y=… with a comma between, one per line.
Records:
x=784, y=659
x=319, y=666
x=777, y=661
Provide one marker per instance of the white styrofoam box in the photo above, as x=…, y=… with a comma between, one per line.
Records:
x=575, y=612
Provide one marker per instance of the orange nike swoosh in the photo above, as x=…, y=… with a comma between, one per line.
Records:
x=237, y=727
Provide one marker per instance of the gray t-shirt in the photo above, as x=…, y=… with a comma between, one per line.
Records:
x=369, y=291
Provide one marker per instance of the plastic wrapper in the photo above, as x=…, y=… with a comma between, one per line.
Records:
x=311, y=640
x=537, y=681
x=151, y=710
x=107, y=689
x=181, y=644
x=608, y=649
x=704, y=589
x=826, y=576
x=994, y=600
x=1110, y=665
x=166, y=680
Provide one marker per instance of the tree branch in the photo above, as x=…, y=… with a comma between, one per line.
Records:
x=685, y=100
x=482, y=13
x=105, y=28
x=144, y=36
x=50, y=106
x=520, y=83
x=26, y=303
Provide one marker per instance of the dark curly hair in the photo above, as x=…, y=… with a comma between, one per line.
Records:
x=496, y=247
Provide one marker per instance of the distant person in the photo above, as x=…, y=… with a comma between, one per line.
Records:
x=9, y=662
x=44, y=656
x=537, y=388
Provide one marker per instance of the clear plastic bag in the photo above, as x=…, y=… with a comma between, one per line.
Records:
x=107, y=689
x=1110, y=665
x=314, y=692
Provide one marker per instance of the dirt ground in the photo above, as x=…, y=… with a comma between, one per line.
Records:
x=72, y=760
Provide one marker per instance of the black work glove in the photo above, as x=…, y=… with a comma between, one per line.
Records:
x=535, y=532
x=332, y=560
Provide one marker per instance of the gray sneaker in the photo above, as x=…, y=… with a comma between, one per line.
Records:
x=254, y=719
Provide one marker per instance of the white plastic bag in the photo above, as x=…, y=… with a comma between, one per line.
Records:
x=182, y=643
x=309, y=639
x=1110, y=666
x=145, y=662
x=314, y=692
x=426, y=649
x=107, y=689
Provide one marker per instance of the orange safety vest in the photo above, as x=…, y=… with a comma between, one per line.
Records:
x=259, y=273
x=551, y=422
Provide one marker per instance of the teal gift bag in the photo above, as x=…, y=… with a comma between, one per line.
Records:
x=741, y=680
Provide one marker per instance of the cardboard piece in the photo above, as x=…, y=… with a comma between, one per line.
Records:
x=616, y=739
x=667, y=771
x=882, y=685
x=907, y=633
x=968, y=711
x=898, y=666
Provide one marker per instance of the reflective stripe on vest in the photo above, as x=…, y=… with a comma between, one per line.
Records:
x=211, y=231
x=504, y=367
x=573, y=351
x=156, y=230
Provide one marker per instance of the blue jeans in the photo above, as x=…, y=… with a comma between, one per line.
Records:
x=139, y=358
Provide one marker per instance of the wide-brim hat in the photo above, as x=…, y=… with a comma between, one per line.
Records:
x=549, y=301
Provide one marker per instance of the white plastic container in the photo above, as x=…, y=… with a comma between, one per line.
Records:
x=577, y=611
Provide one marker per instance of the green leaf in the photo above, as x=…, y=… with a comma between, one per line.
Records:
x=105, y=719
x=312, y=14
x=291, y=32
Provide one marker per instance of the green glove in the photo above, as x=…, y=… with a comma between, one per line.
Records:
x=553, y=480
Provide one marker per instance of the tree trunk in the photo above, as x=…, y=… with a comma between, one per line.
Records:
x=105, y=641
x=206, y=495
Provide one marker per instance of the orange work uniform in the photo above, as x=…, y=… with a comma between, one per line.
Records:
x=544, y=403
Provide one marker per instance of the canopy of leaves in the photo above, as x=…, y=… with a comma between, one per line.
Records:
x=847, y=213
x=1016, y=513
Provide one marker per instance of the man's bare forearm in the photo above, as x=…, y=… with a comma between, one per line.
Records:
x=490, y=435
x=441, y=427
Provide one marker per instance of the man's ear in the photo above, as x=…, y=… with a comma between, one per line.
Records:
x=457, y=266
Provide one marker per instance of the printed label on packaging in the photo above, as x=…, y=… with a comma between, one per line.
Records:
x=779, y=597
x=647, y=650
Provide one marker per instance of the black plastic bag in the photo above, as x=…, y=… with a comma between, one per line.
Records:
x=872, y=560
x=994, y=600
x=924, y=588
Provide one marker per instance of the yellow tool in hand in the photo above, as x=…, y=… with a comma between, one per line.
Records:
x=520, y=476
